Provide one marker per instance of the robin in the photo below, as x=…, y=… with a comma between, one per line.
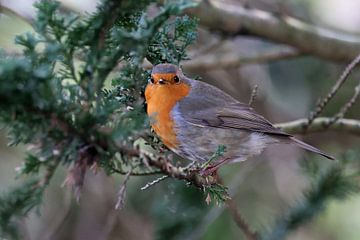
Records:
x=193, y=119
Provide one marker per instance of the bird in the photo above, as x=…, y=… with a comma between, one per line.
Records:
x=194, y=118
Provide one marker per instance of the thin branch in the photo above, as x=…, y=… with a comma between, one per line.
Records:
x=322, y=103
x=321, y=124
x=152, y=183
x=231, y=60
x=135, y=173
x=8, y=11
x=307, y=38
x=233, y=189
x=49, y=173
x=239, y=220
x=347, y=105
x=191, y=175
x=122, y=192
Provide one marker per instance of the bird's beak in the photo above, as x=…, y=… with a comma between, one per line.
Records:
x=161, y=81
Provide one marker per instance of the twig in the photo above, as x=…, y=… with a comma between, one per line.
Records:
x=190, y=175
x=76, y=174
x=347, y=106
x=233, y=60
x=240, y=222
x=253, y=95
x=322, y=103
x=152, y=183
x=8, y=11
x=234, y=187
x=135, y=173
x=321, y=124
x=49, y=173
x=216, y=156
x=122, y=192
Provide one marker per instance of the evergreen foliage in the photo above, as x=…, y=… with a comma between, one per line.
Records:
x=18, y=202
x=54, y=98
x=334, y=182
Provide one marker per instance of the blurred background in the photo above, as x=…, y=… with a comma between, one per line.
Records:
x=263, y=187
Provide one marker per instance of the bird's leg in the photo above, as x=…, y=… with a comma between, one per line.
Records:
x=211, y=169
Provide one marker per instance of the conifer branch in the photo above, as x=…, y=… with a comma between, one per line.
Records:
x=333, y=183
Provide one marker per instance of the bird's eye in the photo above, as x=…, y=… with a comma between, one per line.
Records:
x=152, y=80
x=176, y=79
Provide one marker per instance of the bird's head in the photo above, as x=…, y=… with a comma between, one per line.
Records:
x=167, y=83
x=166, y=74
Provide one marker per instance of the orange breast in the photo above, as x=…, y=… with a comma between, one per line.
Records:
x=160, y=100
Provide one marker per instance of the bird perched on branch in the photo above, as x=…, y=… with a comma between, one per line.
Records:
x=193, y=119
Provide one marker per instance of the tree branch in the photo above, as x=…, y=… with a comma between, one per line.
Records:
x=322, y=103
x=307, y=38
x=347, y=105
x=190, y=175
x=233, y=60
x=240, y=222
x=322, y=124
x=11, y=12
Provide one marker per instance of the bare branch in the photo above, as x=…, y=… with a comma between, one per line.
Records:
x=49, y=172
x=307, y=38
x=240, y=222
x=136, y=173
x=122, y=192
x=234, y=186
x=350, y=126
x=322, y=103
x=347, y=105
x=152, y=183
x=8, y=11
x=232, y=60
x=237, y=217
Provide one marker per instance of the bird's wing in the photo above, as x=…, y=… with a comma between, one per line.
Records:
x=225, y=112
x=235, y=117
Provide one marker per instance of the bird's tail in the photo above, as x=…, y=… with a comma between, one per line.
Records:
x=310, y=148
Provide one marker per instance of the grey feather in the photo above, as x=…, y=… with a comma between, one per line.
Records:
x=207, y=106
x=199, y=108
